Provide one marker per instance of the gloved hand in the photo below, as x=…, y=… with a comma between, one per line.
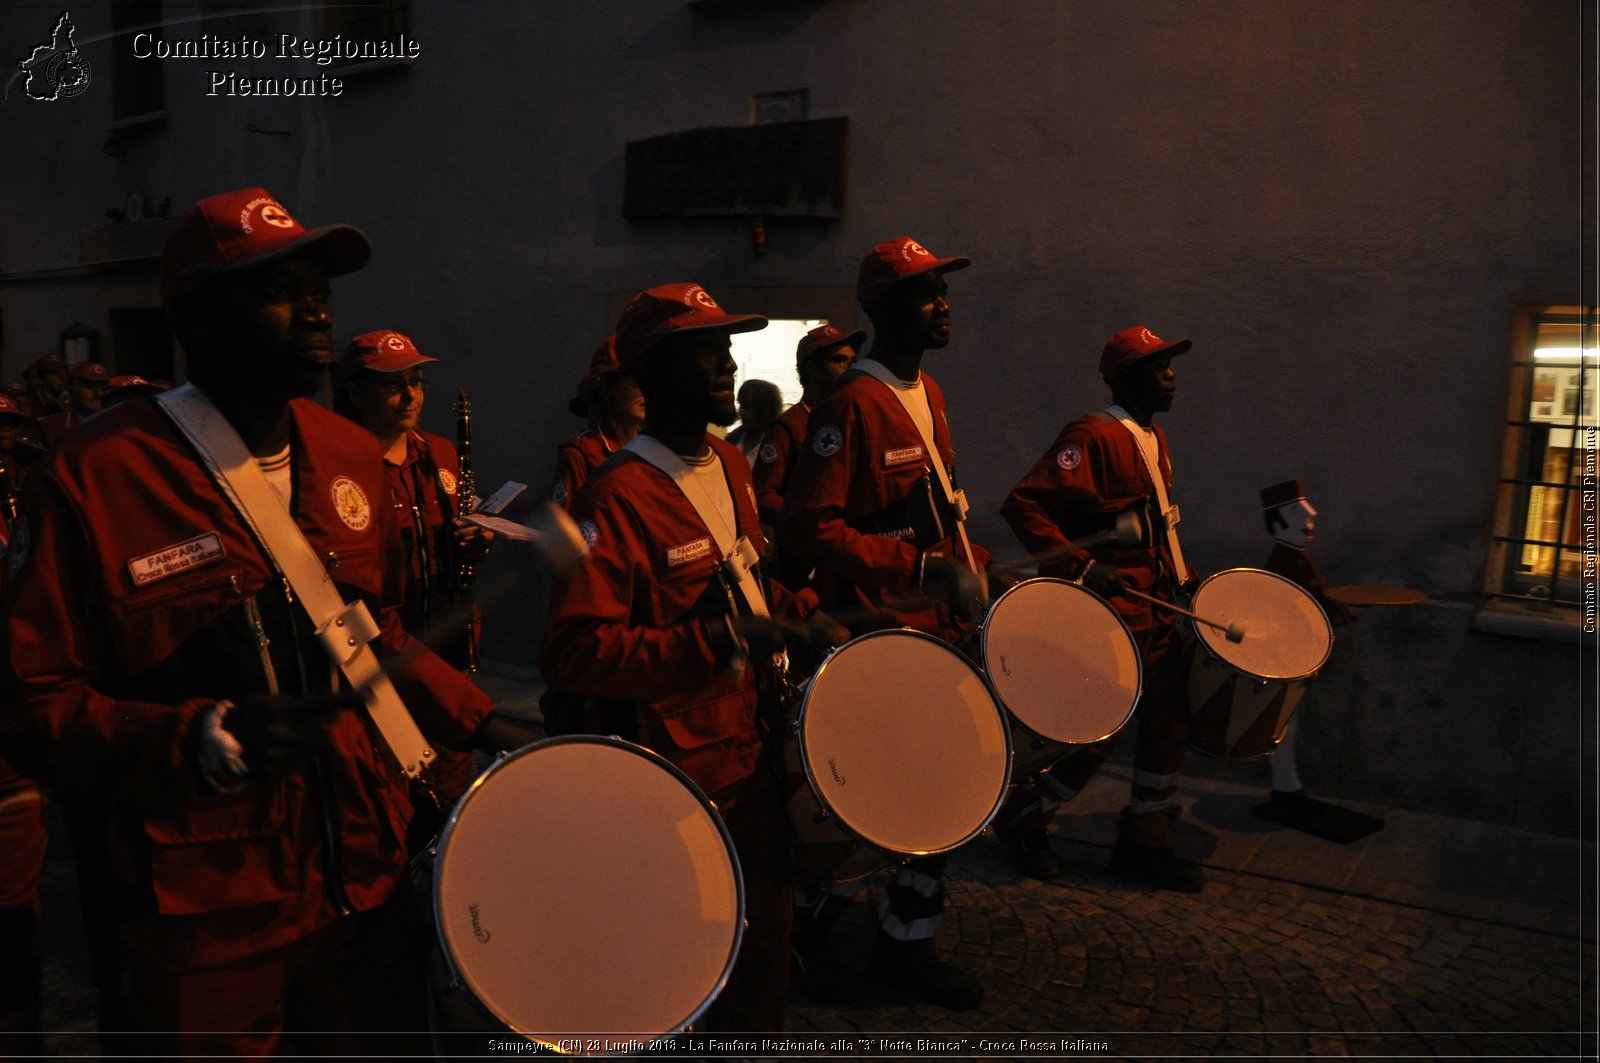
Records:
x=1103, y=579
x=266, y=737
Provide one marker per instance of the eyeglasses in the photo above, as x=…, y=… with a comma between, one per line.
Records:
x=395, y=383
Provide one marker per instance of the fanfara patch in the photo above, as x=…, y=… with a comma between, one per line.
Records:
x=682, y=555
x=559, y=495
x=590, y=532
x=1069, y=457
x=447, y=480
x=350, y=502
x=826, y=441
x=769, y=453
x=892, y=458
x=179, y=557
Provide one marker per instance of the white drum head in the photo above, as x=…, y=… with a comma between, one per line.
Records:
x=904, y=742
x=1286, y=633
x=1061, y=660
x=584, y=885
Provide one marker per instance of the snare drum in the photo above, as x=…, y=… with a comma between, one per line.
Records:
x=585, y=885
x=1064, y=665
x=1243, y=694
x=898, y=749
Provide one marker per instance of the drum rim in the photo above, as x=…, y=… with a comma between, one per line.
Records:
x=1195, y=626
x=436, y=850
x=1138, y=662
x=799, y=733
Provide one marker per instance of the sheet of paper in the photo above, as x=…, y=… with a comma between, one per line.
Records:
x=502, y=498
x=517, y=533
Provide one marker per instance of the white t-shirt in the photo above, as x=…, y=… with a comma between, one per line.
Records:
x=279, y=471
x=708, y=474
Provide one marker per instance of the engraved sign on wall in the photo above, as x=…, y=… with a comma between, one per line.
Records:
x=780, y=170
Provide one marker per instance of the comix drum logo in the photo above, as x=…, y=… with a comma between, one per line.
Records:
x=56, y=70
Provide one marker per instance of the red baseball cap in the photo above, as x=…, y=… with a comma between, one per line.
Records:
x=245, y=228
x=93, y=372
x=384, y=351
x=896, y=260
x=654, y=314
x=824, y=336
x=1131, y=344
x=133, y=385
x=10, y=409
x=48, y=360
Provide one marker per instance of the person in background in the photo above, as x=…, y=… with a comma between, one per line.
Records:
x=760, y=403
x=380, y=384
x=86, y=392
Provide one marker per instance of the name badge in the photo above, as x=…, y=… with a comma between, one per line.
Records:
x=682, y=555
x=892, y=458
x=180, y=557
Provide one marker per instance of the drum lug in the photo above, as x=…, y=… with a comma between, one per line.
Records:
x=822, y=816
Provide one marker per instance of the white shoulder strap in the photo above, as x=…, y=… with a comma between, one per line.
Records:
x=343, y=629
x=1169, y=512
x=739, y=556
x=958, y=499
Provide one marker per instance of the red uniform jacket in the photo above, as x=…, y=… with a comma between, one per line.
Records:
x=630, y=623
x=1092, y=472
x=136, y=604
x=576, y=460
x=56, y=425
x=863, y=503
x=422, y=491
x=775, y=460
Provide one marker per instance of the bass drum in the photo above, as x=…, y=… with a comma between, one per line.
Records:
x=1243, y=694
x=1064, y=665
x=899, y=749
x=585, y=885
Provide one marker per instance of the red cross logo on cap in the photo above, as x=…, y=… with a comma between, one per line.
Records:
x=394, y=343
x=829, y=332
x=273, y=214
x=701, y=296
x=914, y=248
x=1145, y=336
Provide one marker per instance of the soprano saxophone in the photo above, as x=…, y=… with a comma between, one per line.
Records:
x=465, y=502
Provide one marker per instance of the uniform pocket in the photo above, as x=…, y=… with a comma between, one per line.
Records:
x=226, y=852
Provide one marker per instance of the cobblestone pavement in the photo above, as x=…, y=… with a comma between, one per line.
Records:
x=1251, y=967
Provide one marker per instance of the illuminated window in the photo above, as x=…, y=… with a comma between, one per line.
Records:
x=1544, y=547
x=768, y=354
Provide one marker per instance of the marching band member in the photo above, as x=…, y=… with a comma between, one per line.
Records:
x=871, y=507
x=85, y=393
x=673, y=614
x=166, y=682
x=379, y=384
x=1099, y=466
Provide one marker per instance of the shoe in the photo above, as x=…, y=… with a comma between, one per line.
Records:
x=914, y=966
x=1030, y=852
x=1160, y=868
x=821, y=973
x=1291, y=800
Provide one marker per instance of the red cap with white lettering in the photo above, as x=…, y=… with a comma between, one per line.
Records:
x=247, y=228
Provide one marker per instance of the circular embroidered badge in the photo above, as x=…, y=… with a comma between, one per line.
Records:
x=1070, y=457
x=590, y=531
x=827, y=441
x=447, y=480
x=769, y=452
x=559, y=495
x=350, y=502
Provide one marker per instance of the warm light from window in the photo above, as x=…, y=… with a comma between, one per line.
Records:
x=1569, y=354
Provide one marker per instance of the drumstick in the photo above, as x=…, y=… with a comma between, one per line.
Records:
x=1233, y=632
